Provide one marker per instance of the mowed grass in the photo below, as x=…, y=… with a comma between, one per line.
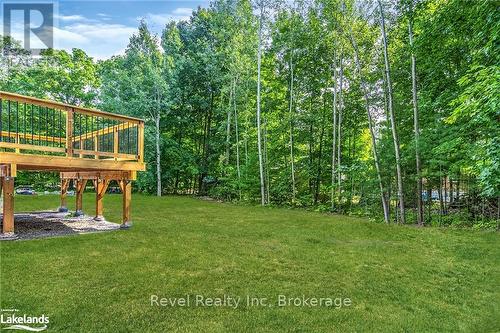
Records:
x=400, y=279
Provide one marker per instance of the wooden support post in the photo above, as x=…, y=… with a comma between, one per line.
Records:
x=13, y=170
x=126, y=187
x=101, y=185
x=8, y=205
x=4, y=170
x=80, y=188
x=64, y=191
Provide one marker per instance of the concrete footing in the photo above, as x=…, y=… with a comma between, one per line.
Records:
x=126, y=225
x=99, y=218
x=8, y=236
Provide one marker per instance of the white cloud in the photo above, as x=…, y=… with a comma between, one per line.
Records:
x=104, y=17
x=66, y=37
x=99, y=40
x=159, y=20
x=70, y=18
x=101, y=31
x=183, y=11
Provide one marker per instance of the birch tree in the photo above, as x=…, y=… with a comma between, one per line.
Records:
x=334, y=132
x=391, y=116
x=237, y=135
x=383, y=198
x=290, y=112
x=416, y=128
x=339, y=130
x=261, y=5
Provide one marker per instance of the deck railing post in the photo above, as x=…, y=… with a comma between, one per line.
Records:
x=17, y=142
x=115, y=142
x=140, y=142
x=96, y=146
x=69, y=133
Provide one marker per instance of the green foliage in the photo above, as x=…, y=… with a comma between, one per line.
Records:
x=66, y=77
x=196, y=83
x=477, y=115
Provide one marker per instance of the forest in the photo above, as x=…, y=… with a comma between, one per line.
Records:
x=388, y=109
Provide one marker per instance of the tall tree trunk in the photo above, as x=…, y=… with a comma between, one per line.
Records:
x=392, y=118
x=236, y=132
x=228, y=125
x=429, y=201
x=445, y=211
x=320, y=155
x=452, y=194
x=245, y=143
x=440, y=194
x=290, y=111
x=334, y=133
x=311, y=150
x=416, y=128
x=310, y=167
x=385, y=206
x=266, y=163
x=202, y=153
x=206, y=146
x=339, y=132
x=259, y=139
x=247, y=125
x=353, y=152
x=158, y=154
x=156, y=115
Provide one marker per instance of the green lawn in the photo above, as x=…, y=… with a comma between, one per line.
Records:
x=400, y=279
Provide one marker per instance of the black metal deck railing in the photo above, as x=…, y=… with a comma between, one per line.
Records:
x=34, y=126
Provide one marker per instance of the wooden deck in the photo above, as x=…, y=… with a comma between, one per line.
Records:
x=82, y=144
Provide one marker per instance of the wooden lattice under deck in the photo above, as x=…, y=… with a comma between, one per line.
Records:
x=82, y=144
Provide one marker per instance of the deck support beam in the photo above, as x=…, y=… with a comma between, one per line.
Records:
x=4, y=170
x=101, y=181
x=126, y=188
x=80, y=188
x=64, y=192
x=7, y=187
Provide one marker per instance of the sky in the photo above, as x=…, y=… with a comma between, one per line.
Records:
x=101, y=28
